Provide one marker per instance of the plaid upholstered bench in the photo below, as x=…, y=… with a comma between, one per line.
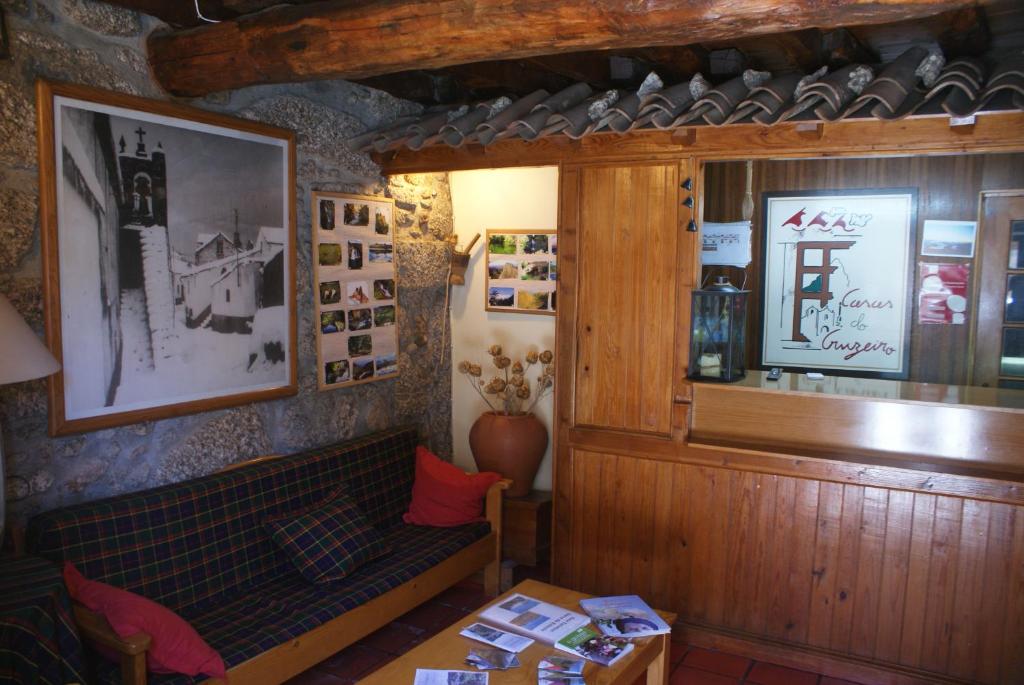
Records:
x=199, y=548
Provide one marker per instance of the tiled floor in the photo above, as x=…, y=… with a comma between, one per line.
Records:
x=690, y=665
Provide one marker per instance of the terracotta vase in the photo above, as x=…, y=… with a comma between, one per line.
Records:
x=511, y=445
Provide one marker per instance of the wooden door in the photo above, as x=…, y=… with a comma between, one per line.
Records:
x=626, y=312
x=999, y=332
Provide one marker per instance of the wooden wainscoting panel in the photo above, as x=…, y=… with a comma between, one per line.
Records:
x=626, y=308
x=926, y=584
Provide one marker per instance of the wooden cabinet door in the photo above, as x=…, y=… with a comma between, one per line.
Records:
x=626, y=306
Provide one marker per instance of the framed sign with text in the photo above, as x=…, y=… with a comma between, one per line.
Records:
x=837, y=281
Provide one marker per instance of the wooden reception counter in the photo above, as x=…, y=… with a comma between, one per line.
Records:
x=943, y=428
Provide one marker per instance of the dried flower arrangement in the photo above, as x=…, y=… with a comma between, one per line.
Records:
x=512, y=392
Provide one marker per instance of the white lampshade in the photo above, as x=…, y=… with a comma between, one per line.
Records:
x=22, y=354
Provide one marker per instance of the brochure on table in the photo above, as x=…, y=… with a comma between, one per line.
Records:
x=624, y=616
x=539, y=620
x=429, y=676
x=590, y=644
x=510, y=642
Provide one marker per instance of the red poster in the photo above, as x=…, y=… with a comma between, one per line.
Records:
x=943, y=296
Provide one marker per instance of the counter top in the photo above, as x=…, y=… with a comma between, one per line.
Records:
x=873, y=388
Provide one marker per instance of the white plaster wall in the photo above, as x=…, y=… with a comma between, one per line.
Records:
x=496, y=198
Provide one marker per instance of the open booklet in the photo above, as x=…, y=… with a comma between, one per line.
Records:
x=541, y=621
x=624, y=616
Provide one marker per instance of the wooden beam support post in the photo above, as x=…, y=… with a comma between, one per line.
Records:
x=341, y=39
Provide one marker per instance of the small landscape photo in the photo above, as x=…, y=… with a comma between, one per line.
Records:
x=330, y=292
x=362, y=368
x=501, y=297
x=384, y=289
x=380, y=253
x=503, y=268
x=357, y=214
x=384, y=316
x=519, y=604
x=531, y=300
x=357, y=292
x=360, y=345
x=948, y=238
x=552, y=271
x=387, y=365
x=359, y=320
x=332, y=322
x=381, y=226
x=355, y=254
x=500, y=243
x=535, y=243
x=466, y=678
x=553, y=244
x=336, y=372
x=485, y=632
x=326, y=215
x=529, y=619
x=534, y=271
x=329, y=254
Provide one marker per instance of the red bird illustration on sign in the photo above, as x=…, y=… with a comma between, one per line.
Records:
x=839, y=223
x=796, y=220
x=819, y=220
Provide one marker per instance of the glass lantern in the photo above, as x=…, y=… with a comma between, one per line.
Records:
x=716, y=336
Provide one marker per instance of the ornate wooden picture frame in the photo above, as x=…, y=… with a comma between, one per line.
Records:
x=355, y=293
x=522, y=271
x=168, y=258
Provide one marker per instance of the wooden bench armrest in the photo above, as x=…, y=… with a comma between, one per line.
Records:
x=132, y=649
x=492, y=510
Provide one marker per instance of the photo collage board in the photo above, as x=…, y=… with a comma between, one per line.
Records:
x=356, y=296
x=522, y=271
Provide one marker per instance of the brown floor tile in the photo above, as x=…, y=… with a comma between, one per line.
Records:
x=393, y=639
x=828, y=680
x=354, y=661
x=468, y=597
x=432, y=617
x=770, y=674
x=677, y=652
x=684, y=675
x=317, y=677
x=717, y=662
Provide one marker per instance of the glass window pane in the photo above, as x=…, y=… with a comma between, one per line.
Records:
x=1017, y=244
x=1015, y=299
x=1012, y=363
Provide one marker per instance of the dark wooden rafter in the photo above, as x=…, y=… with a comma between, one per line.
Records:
x=339, y=39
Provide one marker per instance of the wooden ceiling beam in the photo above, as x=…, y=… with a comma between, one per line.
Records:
x=340, y=39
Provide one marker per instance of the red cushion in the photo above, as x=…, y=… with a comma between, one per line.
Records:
x=176, y=646
x=443, y=495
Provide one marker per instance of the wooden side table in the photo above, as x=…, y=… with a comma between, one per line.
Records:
x=526, y=528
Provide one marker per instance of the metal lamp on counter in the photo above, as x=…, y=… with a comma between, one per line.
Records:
x=717, y=332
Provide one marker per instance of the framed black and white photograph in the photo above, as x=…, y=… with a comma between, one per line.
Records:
x=169, y=258
x=356, y=298
x=837, y=278
x=522, y=271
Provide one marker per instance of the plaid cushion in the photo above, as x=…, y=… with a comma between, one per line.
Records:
x=329, y=540
x=248, y=624
x=192, y=542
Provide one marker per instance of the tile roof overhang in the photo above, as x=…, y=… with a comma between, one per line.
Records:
x=918, y=83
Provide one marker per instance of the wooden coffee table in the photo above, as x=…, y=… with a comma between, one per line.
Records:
x=448, y=650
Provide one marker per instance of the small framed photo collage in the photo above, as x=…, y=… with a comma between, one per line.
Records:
x=356, y=297
x=522, y=271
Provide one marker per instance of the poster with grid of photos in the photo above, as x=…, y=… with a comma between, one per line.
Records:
x=356, y=296
x=522, y=271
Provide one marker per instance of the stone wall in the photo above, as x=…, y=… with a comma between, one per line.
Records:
x=85, y=42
